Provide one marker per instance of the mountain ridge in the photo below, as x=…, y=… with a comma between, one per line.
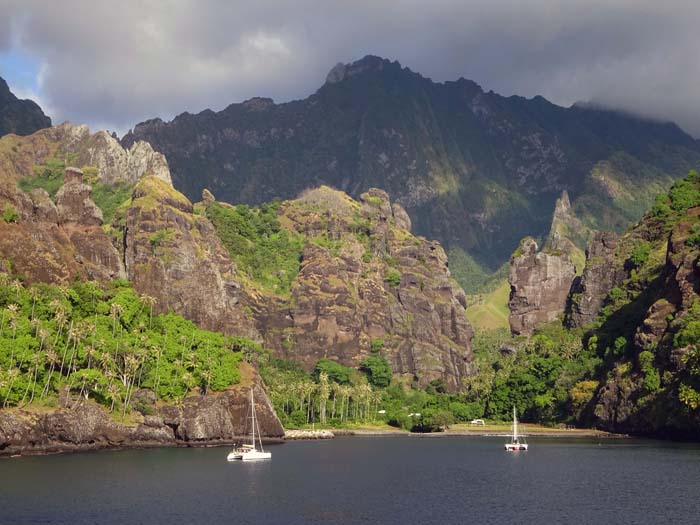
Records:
x=476, y=170
x=22, y=117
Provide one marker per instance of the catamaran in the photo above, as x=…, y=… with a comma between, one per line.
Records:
x=516, y=442
x=249, y=452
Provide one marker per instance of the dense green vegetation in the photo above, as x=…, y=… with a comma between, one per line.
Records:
x=542, y=377
x=104, y=344
x=337, y=395
x=256, y=241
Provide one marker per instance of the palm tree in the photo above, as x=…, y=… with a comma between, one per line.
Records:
x=113, y=394
x=345, y=392
x=34, y=294
x=37, y=359
x=17, y=285
x=60, y=318
x=13, y=308
x=324, y=391
x=13, y=373
x=115, y=312
x=158, y=351
x=34, y=358
x=52, y=358
x=150, y=301
x=72, y=336
x=335, y=391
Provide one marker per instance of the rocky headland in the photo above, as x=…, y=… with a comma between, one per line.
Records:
x=79, y=425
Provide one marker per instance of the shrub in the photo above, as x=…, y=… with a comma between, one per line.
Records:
x=392, y=277
x=693, y=239
x=9, y=214
x=661, y=208
x=336, y=372
x=376, y=345
x=684, y=194
x=377, y=369
x=640, y=254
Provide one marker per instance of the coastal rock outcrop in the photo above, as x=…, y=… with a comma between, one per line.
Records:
x=217, y=418
x=539, y=287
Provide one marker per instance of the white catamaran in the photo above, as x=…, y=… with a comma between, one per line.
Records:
x=250, y=452
x=516, y=442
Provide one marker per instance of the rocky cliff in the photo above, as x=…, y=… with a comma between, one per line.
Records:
x=364, y=277
x=475, y=170
x=80, y=425
x=539, y=286
x=568, y=233
x=174, y=256
x=21, y=117
x=600, y=275
x=57, y=242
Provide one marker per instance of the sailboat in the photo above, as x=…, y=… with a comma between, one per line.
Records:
x=249, y=452
x=516, y=442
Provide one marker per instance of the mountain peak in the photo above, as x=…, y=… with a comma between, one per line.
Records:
x=22, y=117
x=342, y=71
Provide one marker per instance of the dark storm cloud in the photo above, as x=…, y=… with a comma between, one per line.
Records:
x=114, y=64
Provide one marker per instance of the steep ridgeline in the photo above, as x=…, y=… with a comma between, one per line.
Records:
x=21, y=117
x=639, y=301
x=19, y=156
x=475, y=170
x=363, y=281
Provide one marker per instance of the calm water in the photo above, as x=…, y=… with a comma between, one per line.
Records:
x=363, y=480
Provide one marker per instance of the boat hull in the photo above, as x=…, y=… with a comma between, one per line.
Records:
x=255, y=455
x=513, y=447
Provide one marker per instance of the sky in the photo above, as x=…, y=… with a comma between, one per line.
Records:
x=114, y=64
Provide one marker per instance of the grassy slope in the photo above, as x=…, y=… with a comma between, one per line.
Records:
x=492, y=311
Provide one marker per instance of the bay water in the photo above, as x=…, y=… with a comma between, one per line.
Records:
x=396, y=479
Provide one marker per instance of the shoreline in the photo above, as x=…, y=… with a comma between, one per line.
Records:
x=330, y=433
x=314, y=435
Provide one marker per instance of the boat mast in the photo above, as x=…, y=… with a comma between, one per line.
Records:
x=252, y=416
x=515, y=426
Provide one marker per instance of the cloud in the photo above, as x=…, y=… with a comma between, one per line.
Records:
x=114, y=64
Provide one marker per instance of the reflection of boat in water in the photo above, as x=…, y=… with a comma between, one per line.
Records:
x=249, y=452
x=516, y=442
